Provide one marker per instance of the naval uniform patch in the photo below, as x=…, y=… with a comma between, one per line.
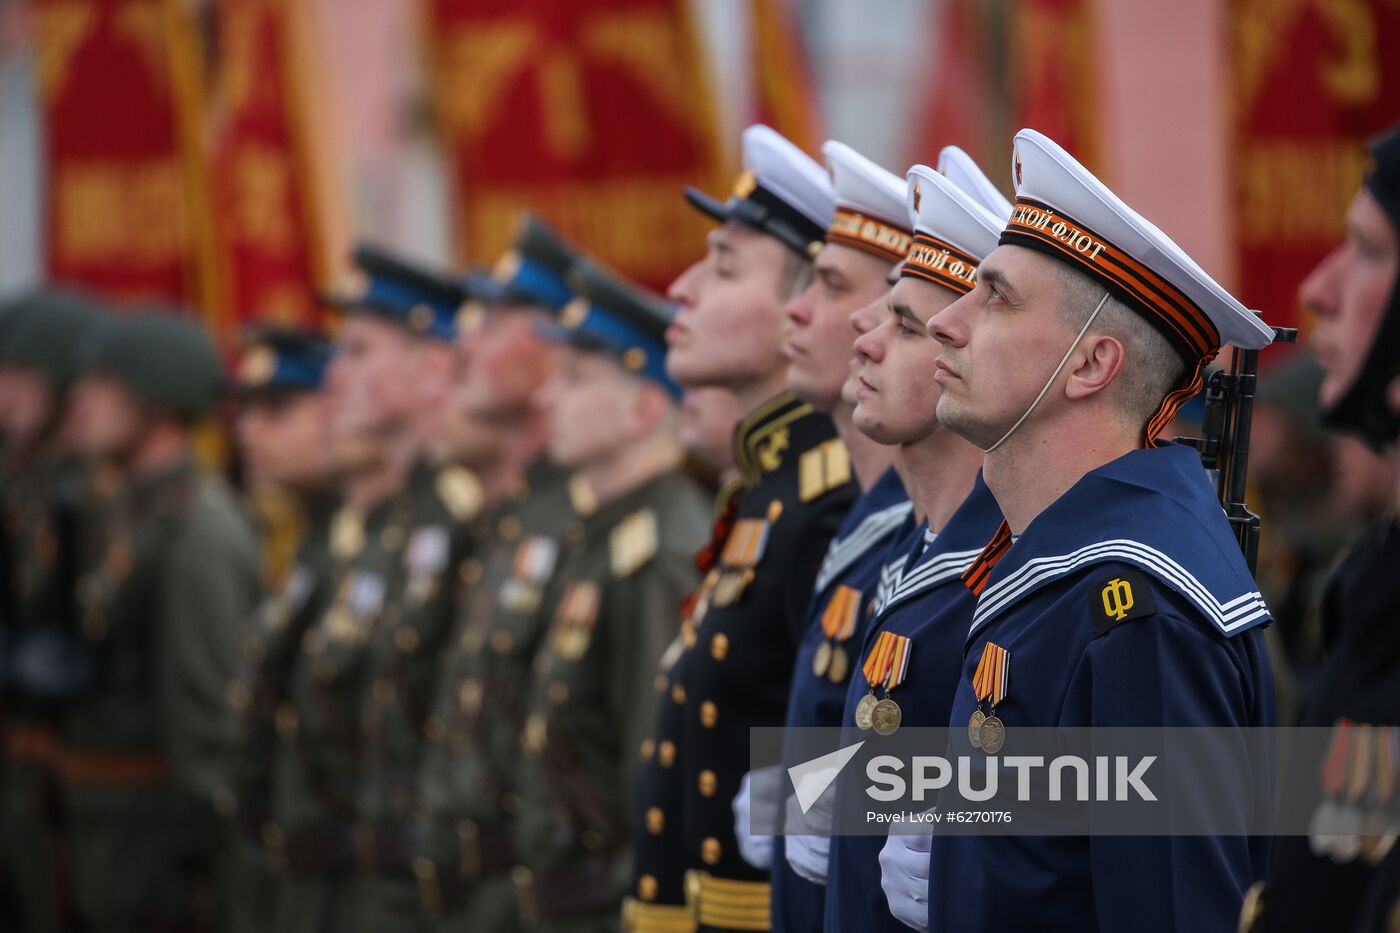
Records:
x=1119, y=597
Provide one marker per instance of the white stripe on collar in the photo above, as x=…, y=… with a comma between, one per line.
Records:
x=1227, y=616
x=927, y=576
x=889, y=579
x=874, y=527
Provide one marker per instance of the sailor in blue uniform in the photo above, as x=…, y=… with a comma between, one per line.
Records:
x=957, y=216
x=1114, y=594
x=868, y=234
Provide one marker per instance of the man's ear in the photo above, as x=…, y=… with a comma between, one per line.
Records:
x=439, y=362
x=1096, y=364
x=650, y=405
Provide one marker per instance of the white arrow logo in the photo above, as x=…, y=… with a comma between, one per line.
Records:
x=811, y=778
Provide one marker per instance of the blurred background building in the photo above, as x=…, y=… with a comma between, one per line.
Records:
x=225, y=153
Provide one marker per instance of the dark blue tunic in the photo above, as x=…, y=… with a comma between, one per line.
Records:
x=1197, y=660
x=855, y=559
x=927, y=602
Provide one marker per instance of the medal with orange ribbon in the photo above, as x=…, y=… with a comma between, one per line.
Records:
x=886, y=715
x=838, y=623
x=991, y=681
x=876, y=669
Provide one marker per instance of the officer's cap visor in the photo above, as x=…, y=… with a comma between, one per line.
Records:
x=752, y=214
x=705, y=204
x=571, y=337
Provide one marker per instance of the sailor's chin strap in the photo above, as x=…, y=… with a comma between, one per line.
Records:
x=1053, y=376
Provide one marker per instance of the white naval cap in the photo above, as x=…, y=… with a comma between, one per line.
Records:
x=782, y=192
x=959, y=168
x=958, y=215
x=870, y=213
x=1065, y=212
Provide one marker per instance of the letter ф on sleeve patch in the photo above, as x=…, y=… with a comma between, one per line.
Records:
x=1118, y=597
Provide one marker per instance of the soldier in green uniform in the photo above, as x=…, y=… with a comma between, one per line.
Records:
x=43, y=658
x=165, y=600
x=612, y=607
x=283, y=434
x=347, y=728
x=443, y=501
x=466, y=781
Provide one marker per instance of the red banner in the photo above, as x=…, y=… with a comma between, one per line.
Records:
x=959, y=107
x=592, y=114
x=980, y=95
x=784, y=94
x=115, y=78
x=1312, y=83
x=1057, y=80
x=263, y=195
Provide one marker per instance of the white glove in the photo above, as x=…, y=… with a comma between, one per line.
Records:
x=756, y=848
x=809, y=834
x=904, y=867
x=808, y=856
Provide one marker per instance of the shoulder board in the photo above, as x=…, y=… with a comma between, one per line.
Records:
x=460, y=491
x=581, y=496
x=633, y=542
x=347, y=532
x=823, y=468
x=1118, y=597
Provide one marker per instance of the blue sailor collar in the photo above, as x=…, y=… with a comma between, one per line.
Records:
x=952, y=550
x=907, y=545
x=1152, y=508
x=871, y=522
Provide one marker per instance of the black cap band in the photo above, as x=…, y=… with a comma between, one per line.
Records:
x=767, y=213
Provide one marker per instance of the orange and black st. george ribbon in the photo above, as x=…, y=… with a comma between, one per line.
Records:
x=975, y=577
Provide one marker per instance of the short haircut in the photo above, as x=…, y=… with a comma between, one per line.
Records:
x=1151, y=367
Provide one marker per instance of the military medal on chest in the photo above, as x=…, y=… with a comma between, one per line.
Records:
x=742, y=552
x=529, y=572
x=359, y=601
x=885, y=667
x=424, y=560
x=838, y=624
x=875, y=668
x=990, y=683
x=1358, y=779
x=574, y=619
